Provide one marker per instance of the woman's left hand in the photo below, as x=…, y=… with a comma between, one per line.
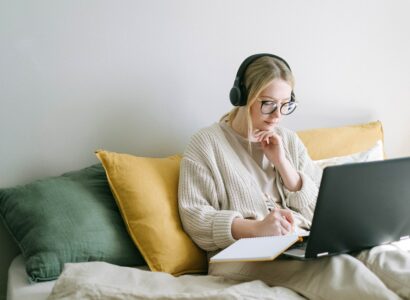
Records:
x=271, y=146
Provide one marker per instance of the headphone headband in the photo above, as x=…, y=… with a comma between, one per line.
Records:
x=238, y=94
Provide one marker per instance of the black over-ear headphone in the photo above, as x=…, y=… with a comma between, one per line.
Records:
x=238, y=94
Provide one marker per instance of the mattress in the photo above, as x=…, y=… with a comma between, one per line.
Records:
x=19, y=287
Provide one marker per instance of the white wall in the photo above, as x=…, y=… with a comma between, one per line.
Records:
x=142, y=76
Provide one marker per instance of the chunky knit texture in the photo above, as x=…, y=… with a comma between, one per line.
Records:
x=215, y=187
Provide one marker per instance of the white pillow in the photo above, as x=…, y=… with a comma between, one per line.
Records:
x=372, y=154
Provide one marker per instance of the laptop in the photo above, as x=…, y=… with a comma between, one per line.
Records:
x=360, y=205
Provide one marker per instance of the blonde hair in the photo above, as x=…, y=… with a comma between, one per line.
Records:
x=258, y=76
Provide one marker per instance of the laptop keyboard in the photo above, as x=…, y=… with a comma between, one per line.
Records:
x=300, y=245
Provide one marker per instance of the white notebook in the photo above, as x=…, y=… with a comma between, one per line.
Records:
x=256, y=249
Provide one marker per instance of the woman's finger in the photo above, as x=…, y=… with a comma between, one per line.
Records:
x=287, y=214
x=275, y=139
x=279, y=223
x=285, y=225
x=265, y=137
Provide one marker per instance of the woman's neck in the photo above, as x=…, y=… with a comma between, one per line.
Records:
x=240, y=123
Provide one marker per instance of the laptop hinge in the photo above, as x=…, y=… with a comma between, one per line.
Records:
x=322, y=254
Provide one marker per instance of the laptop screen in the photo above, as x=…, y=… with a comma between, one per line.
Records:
x=361, y=205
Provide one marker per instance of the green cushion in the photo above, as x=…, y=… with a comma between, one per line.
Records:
x=70, y=218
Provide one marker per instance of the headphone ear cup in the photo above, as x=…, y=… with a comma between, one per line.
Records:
x=235, y=96
x=244, y=96
x=238, y=94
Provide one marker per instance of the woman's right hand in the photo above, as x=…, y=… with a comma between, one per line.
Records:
x=277, y=222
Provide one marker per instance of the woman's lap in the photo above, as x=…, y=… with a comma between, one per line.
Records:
x=337, y=277
x=391, y=264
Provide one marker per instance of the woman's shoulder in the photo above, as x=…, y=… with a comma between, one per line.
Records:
x=210, y=132
x=205, y=139
x=290, y=140
x=286, y=132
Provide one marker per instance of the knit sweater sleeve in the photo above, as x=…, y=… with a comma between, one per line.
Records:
x=199, y=208
x=304, y=200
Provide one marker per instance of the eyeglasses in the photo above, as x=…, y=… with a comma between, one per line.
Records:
x=268, y=107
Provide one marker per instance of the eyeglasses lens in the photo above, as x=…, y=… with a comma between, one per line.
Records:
x=286, y=108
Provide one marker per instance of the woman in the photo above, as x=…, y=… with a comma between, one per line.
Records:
x=246, y=176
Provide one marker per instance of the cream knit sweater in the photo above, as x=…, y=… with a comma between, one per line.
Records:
x=215, y=187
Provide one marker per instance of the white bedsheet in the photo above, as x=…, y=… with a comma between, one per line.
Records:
x=99, y=280
x=19, y=287
x=105, y=281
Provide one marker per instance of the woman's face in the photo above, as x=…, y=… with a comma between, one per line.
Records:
x=279, y=92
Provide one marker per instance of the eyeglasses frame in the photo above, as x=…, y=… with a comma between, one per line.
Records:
x=280, y=107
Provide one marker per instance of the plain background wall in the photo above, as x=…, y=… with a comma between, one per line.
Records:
x=142, y=76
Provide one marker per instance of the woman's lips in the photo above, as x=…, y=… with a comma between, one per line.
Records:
x=270, y=123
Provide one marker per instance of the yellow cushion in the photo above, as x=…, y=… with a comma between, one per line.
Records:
x=329, y=142
x=146, y=192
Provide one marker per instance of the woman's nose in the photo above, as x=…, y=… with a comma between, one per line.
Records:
x=276, y=113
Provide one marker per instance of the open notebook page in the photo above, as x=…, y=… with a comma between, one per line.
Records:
x=256, y=249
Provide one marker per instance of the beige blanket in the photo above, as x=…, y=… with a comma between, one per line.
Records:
x=99, y=280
